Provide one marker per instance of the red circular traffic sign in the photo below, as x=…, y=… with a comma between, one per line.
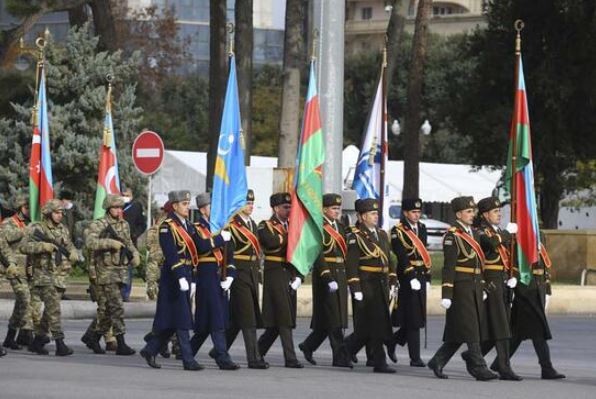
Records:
x=147, y=152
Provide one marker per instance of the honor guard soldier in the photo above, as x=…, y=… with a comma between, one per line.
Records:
x=463, y=294
x=408, y=241
x=329, y=288
x=371, y=278
x=244, y=294
x=528, y=315
x=13, y=231
x=495, y=243
x=180, y=244
x=49, y=249
x=108, y=240
x=215, y=275
x=280, y=281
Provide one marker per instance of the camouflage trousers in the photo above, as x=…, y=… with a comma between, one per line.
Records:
x=110, y=309
x=21, y=313
x=108, y=337
x=35, y=309
x=50, y=319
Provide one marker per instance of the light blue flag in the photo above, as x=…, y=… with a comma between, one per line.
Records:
x=229, y=178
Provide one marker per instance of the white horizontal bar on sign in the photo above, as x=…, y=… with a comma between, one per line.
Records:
x=148, y=152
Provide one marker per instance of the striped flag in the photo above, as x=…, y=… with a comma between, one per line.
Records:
x=40, y=164
x=229, y=180
x=520, y=181
x=108, y=178
x=367, y=177
x=305, y=235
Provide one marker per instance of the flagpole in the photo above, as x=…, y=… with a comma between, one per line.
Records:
x=383, y=135
x=518, y=25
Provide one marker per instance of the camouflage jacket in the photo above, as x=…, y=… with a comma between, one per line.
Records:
x=6, y=256
x=155, y=256
x=110, y=266
x=14, y=230
x=45, y=268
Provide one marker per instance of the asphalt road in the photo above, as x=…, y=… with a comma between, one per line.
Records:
x=88, y=376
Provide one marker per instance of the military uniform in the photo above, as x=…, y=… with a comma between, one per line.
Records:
x=528, y=316
x=408, y=242
x=495, y=243
x=462, y=288
x=279, y=299
x=370, y=274
x=107, y=238
x=212, y=314
x=11, y=235
x=44, y=258
x=244, y=293
x=329, y=307
x=180, y=244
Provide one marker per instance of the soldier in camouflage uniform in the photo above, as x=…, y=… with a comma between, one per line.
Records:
x=13, y=229
x=9, y=269
x=109, y=238
x=49, y=248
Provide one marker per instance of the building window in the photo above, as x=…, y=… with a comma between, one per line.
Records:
x=366, y=13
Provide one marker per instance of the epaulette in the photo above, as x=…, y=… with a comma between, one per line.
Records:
x=354, y=229
x=452, y=229
x=164, y=227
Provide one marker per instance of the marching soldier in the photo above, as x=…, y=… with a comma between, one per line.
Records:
x=108, y=239
x=13, y=230
x=154, y=261
x=244, y=294
x=370, y=277
x=494, y=243
x=408, y=241
x=280, y=281
x=463, y=294
x=213, y=281
x=49, y=249
x=180, y=244
x=329, y=288
x=528, y=315
x=9, y=269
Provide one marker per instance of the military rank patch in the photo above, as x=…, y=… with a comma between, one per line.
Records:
x=393, y=235
x=448, y=241
x=352, y=241
x=163, y=230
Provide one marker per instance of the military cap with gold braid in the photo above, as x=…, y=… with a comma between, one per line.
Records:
x=366, y=205
x=331, y=200
x=279, y=199
x=488, y=204
x=462, y=203
x=411, y=204
x=250, y=195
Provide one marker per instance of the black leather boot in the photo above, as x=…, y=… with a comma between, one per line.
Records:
x=37, y=346
x=62, y=349
x=25, y=337
x=9, y=341
x=123, y=349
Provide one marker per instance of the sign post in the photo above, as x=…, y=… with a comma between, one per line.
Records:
x=148, y=155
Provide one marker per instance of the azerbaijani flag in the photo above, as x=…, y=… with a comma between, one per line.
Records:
x=305, y=234
x=40, y=164
x=520, y=180
x=229, y=178
x=108, y=178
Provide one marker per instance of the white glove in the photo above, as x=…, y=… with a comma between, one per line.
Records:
x=332, y=286
x=415, y=284
x=193, y=289
x=546, y=301
x=392, y=292
x=511, y=228
x=427, y=287
x=296, y=283
x=512, y=282
x=358, y=296
x=226, y=235
x=484, y=295
x=227, y=283
x=183, y=284
x=446, y=303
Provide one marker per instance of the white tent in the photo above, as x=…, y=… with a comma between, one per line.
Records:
x=438, y=182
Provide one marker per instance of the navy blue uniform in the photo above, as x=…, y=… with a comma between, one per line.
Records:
x=173, y=313
x=212, y=305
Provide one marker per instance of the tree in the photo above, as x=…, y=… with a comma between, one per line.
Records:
x=76, y=88
x=243, y=39
x=395, y=30
x=560, y=73
x=266, y=109
x=293, y=63
x=217, y=78
x=413, y=105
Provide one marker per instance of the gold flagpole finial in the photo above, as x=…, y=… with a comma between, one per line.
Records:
x=315, y=38
x=519, y=26
x=109, y=78
x=231, y=29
